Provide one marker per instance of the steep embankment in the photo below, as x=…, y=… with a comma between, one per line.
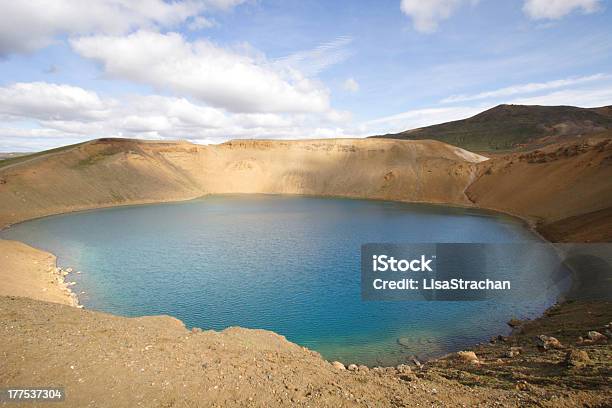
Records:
x=114, y=172
x=566, y=188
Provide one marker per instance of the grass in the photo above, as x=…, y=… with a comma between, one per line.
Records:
x=19, y=159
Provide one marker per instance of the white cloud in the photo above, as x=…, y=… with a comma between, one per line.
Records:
x=32, y=24
x=526, y=88
x=232, y=80
x=426, y=15
x=45, y=101
x=351, y=85
x=556, y=9
x=57, y=114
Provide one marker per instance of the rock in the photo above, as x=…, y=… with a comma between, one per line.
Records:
x=468, y=357
x=548, y=342
x=69, y=270
x=522, y=385
x=196, y=330
x=352, y=367
x=363, y=368
x=577, y=358
x=338, y=365
x=514, y=322
x=417, y=362
x=403, y=369
x=596, y=337
x=513, y=352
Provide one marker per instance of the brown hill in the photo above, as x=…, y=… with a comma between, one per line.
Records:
x=566, y=188
x=112, y=172
x=547, y=186
x=507, y=127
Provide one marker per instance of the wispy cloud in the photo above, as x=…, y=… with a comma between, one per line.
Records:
x=586, y=98
x=351, y=85
x=527, y=88
x=312, y=62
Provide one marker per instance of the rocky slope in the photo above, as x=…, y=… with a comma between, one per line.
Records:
x=566, y=188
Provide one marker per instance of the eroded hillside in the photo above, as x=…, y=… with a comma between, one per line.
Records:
x=117, y=171
x=565, y=188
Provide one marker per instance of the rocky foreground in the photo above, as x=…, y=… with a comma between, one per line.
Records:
x=109, y=361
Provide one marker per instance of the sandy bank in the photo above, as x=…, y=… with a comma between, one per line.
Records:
x=29, y=272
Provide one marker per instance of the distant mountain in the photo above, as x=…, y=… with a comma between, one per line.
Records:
x=511, y=127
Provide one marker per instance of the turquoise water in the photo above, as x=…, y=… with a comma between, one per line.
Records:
x=284, y=263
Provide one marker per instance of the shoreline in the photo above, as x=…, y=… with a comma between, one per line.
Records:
x=31, y=272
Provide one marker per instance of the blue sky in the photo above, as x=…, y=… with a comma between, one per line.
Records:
x=213, y=70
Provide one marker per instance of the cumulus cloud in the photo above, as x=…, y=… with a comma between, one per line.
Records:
x=29, y=25
x=45, y=101
x=350, y=85
x=556, y=9
x=65, y=114
x=233, y=80
x=426, y=15
x=527, y=88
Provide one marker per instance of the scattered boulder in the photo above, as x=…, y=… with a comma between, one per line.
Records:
x=513, y=352
x=404, y=369
x=596, y=337
x=352, y=367
x=522, y=385
x=363, y=368
x=514, y=322
x=548, y=342
x=69, y=270
x=417, y=362
x=576, y=358
x=338, y=365
x=468, y=357
x=196, y=330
